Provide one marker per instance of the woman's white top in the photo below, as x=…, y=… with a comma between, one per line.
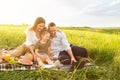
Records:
x=31, y=38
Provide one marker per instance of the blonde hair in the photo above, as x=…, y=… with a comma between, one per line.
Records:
x=43, y=32
x=37, y=21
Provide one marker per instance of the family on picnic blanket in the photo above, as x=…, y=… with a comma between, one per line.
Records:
x=46, y=45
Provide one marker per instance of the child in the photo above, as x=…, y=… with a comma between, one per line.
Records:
x=42, y=49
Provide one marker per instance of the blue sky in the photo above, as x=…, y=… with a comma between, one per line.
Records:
x=93, y=13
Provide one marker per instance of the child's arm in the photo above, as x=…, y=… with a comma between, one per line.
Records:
x=36, y=52
x=49, y=53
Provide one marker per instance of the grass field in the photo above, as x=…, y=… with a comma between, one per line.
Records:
x=103, y=46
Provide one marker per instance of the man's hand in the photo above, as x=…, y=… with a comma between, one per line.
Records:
x=73, y=60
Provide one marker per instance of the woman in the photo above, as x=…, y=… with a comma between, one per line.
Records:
x=32, y=36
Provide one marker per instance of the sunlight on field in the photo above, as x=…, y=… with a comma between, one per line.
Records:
x=102, y=45
x=11, y=36
x=97, y=44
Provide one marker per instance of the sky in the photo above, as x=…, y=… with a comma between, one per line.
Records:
x=92, y=13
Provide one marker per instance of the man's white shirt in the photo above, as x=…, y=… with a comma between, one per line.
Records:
x=59, y=43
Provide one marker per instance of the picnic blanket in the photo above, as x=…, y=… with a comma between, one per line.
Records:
x=4, y=66
x=11, y=67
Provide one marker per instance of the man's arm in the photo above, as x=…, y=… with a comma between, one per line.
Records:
x=69, y=51
x=67, y=47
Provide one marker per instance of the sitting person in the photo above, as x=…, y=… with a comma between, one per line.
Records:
x=59, y=43
x=32, y=36
x=61, y=48
x=42, y=49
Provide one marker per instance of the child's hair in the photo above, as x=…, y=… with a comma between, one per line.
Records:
x=43, y=32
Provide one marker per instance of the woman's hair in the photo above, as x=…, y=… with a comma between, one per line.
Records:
x=37, y=21
x=43, y=32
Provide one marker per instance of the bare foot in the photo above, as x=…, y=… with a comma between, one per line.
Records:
x=16, y=59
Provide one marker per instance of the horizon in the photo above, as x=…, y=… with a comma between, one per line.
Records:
x=28, y=25
x=103, y=13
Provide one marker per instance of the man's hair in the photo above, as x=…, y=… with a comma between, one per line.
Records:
x=51, y=24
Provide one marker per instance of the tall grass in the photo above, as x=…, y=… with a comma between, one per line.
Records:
x=11, y=36
x=103, y=47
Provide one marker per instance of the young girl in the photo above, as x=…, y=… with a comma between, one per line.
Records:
x=42, y=49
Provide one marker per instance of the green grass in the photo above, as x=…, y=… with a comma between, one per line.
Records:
x=11, y=36
x=103, y=47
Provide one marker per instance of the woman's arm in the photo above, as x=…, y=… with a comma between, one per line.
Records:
x=36, y=52
x=31, y=49
x=32, y=52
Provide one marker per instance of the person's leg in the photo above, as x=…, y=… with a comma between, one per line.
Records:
x=48, y=60
x=64, y=58
x=39, y=61
x=27, y=56
x=79, y=51
x=18, y=51
x=1, y=55
x=78, y=65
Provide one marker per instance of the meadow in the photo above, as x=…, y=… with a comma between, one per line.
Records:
x=103, y=46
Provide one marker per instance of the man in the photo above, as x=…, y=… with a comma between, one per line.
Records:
x=59, y=43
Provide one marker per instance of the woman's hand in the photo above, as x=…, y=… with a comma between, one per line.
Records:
x=35, y=58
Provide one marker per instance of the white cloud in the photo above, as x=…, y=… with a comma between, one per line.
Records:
x=114, y=2
x=63, y=12
x=102, y=8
